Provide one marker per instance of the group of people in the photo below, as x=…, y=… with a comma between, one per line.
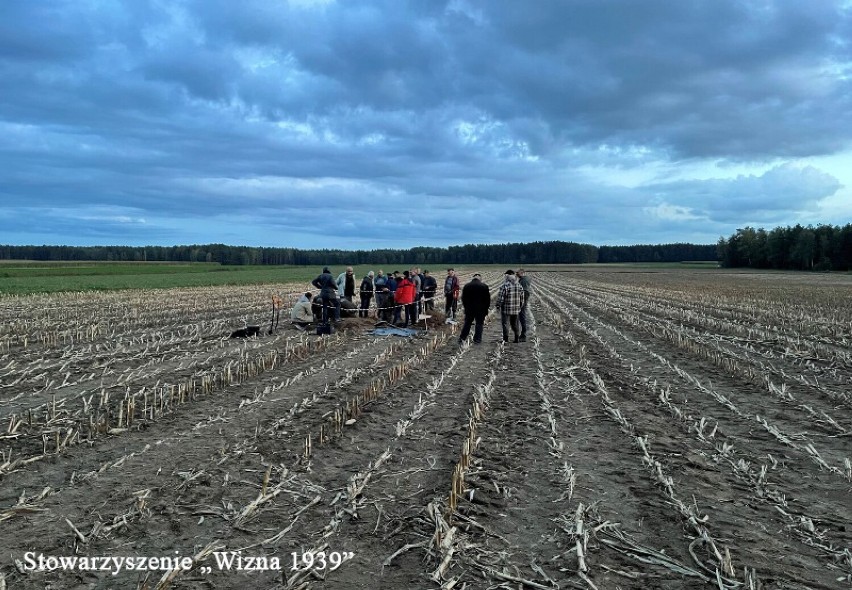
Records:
x=512, y=303
x=412, y=292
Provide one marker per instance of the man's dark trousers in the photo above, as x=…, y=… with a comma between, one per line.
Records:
x=327, y=305
x=469, y=319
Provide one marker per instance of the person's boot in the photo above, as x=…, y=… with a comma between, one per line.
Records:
x=516, y=338
x=522, y=338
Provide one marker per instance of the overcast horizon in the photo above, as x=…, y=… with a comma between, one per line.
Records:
x=367, y=125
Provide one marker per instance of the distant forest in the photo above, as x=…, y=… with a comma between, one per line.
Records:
x=825, y=247
x=511, y=254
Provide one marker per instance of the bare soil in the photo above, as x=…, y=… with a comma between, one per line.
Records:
x=669, y=430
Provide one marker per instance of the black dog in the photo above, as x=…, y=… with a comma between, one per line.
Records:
x=246, y=332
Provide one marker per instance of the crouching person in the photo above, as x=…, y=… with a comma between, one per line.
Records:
x=302, y=314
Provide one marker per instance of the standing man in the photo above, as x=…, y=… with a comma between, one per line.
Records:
x=380, y=286
x=420, y=276
x=346, y=284
x=430, y=286
x=390, y=290
x=366, y=294
x=451, y=295
x=328, y=293
x=414, y=277
x=476, y=299
x=510, y=297
x=524, y=282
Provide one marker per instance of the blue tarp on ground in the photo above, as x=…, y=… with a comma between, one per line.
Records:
x=404, y=332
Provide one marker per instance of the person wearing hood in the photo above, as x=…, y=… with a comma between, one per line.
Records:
x=328, y=293
x=366, y=291
x=510, y=299
x=302, y=313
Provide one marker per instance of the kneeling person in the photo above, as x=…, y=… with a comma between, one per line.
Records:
x=302, y=314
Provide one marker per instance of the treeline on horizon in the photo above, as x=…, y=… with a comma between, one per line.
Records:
x=821, y=248
x=516, y=253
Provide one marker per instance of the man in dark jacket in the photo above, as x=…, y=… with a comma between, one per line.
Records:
x=380, y=286
x=346, y=284
x=328, y=293
x=429, y=286
x=366, y=291
x=524, y=282
x=476, y=299
x=390, y=289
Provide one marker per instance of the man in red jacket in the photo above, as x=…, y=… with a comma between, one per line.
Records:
x=405, y=295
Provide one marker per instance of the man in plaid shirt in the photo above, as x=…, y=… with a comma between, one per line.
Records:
x=510, y=300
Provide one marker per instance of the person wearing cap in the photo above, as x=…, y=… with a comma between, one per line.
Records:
x=524, y=282
x=510, y=298
x=366, y=291
x=451, y=295
x=429, y=286
x=328, y=294
x=476, y=299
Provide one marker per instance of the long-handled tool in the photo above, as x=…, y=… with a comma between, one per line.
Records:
x=276, y=313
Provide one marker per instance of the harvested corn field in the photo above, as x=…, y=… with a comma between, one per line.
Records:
x=665, y=429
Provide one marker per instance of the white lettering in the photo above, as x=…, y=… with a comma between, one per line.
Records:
x=29, y=560
x=225, y=561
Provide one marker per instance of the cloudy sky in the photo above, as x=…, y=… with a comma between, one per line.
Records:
x=372, y=124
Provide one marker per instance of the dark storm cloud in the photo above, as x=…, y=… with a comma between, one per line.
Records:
x=772, y=197
x=453, y=117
